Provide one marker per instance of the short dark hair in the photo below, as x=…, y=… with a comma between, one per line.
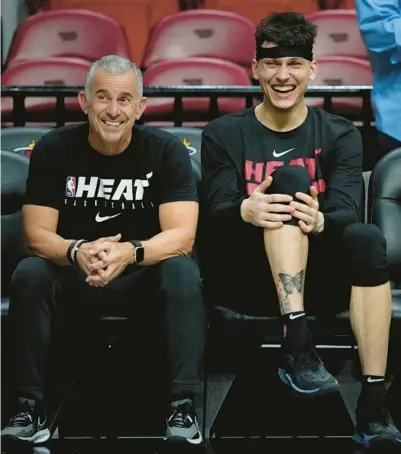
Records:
x=286, y=29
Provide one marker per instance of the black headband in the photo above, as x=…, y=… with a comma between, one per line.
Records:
x=284, y=51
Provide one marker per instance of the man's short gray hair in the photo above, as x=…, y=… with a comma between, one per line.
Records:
x=115, y=64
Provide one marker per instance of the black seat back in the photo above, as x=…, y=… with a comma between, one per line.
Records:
x=21, y=139
x=385, y=207
x=191, y=138
x=14, y=172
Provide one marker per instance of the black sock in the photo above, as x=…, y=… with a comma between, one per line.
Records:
x=372, y=393
x=295, y=329
x=370, y=382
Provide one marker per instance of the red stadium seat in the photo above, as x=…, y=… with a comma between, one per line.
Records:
x=194, y=71
x=68, y=33
x=337, y=71
x=338, y=34
x=258, y=9
x=202, y=33
x=135, y=16
x=44, y=72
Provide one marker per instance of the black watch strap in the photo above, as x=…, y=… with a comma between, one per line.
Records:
x=139, y=254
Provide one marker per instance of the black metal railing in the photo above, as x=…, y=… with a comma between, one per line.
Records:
x=60, y=114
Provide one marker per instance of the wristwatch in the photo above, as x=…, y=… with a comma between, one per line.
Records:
x=139, y=253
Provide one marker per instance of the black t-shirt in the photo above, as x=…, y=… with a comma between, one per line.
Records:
x=239, y=152
x=98, y=195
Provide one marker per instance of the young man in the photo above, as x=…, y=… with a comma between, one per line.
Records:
x=110, y=214
x=282, y=188
x=380, y=26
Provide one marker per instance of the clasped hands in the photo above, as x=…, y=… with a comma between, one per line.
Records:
x=272, y=210
x=104, y=259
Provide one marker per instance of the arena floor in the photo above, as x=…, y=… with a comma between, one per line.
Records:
x=226, y=446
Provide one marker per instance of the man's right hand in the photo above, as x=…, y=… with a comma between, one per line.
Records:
x=86, y=255
x=269, y=211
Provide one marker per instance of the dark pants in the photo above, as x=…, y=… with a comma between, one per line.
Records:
x=45, y=296
x=386, y=144
x=356, y=256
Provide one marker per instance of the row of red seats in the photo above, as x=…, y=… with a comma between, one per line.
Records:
x=226, y=39
x=195, y=71
x=137, y=17
x=198, y=33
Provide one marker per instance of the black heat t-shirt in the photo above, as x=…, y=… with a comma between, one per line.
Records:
x=98, y=195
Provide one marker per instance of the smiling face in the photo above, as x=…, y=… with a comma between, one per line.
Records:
x=284, y=80
x=112, y=106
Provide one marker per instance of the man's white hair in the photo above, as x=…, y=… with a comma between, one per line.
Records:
x=115, y=64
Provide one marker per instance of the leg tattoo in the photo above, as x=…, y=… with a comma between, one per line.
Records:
x=292, y=281
x=284, y=301
x=286, y=285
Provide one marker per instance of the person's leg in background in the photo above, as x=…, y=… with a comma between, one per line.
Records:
x=287, y=252
x=370, y=313
x=386, y=144
x=35, y=302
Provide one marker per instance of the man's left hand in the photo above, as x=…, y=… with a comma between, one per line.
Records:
x=310, y=218
x=111, y=261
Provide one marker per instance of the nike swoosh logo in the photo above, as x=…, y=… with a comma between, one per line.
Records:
x=277, y=155
x=293, y=317
x=374, y=380
x=105, y=218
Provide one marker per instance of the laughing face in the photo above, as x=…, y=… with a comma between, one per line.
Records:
x=283, y=80
x=112, y=106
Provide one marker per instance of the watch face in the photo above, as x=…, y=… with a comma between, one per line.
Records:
x=139, y=254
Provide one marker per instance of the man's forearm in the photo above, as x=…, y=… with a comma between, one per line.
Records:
x=48, y=245
x=167, y=244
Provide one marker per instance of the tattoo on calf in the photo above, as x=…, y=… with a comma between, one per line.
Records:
x=284, y=301
x=292, y=281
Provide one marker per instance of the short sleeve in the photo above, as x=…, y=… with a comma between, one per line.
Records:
x=177, y=182
x=43, y=183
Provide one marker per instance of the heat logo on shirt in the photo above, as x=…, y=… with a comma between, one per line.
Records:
x=70, y=187
x=256, y=172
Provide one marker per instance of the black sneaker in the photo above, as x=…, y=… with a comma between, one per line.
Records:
x=182, y=426
x=306, y=375
x=28, y=425
x=375, y=427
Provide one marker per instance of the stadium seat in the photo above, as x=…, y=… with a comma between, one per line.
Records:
x=338, y=34
x=135, y=16
x=14, y=172
x=338, y=71
x=201, y=33
x=193, y=71
x=385, y=211
x=336, y=4
x=21, y=139
x=61, y=72
x=67, y=33
x=192, y=139
x=258, y=9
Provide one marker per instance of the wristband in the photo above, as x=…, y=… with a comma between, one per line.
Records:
x=73, y=250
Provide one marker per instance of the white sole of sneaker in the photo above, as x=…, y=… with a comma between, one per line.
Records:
x=40, y=437
x=286, y=379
